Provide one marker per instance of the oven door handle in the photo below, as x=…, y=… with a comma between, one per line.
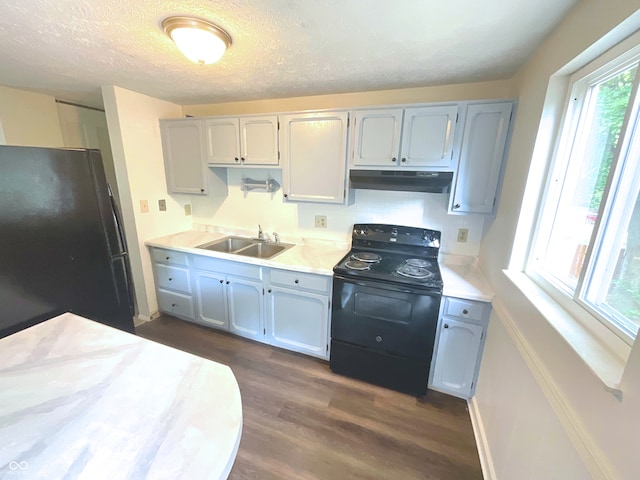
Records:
x=386, y=286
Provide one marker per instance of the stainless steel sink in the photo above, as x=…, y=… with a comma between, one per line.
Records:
x=228, y=244
x=264, y=250
x=248, y=247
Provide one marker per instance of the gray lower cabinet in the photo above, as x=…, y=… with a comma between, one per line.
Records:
x=173, y=283
x=284, y=308
x=459, y=342
x=298, y=312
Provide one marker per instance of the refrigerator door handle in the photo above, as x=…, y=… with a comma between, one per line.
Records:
x=116, y=220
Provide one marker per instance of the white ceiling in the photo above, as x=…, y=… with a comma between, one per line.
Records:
x=281, y=48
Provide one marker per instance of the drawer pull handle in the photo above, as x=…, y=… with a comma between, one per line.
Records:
x=168, y=258
x=170, y=279
x=173, y=304
x=446, y=325
x=465, y=311
x=296, y=281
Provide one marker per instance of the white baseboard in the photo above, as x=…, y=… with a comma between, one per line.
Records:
x=486, y=463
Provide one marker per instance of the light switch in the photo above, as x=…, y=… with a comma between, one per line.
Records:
x=162, y=205
x=463, y=234
x=144, y=206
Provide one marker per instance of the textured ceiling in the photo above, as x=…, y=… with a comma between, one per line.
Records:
x=281, y=48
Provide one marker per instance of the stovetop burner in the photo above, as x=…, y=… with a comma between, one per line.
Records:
x=418, y=262
x=410, y=271
x=366, y=257
x=357, y=265
x=394, y=254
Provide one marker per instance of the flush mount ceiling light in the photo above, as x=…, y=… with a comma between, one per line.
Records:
x=199, y=40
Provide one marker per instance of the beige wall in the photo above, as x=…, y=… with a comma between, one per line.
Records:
x=29, y=119
x=137, y=153
x=604, y=431
x=443, y=93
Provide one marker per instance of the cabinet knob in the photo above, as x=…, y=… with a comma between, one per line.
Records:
x=170, y=279
x=236, y=159
x=269, y=290
x=403, y=160
x=296, y=281
x=242, y=159
x=221, y=281
x=168, y=258
x=457, y=205
x=286, y=195
x=228, y=282
x=465, y=311
x=378, y=339
x=446, y=325
x=393, y=159
x=202, y=190
x=173, y=304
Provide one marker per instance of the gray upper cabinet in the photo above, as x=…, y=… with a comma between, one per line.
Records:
x=232, y=141
x=415, y=137
x=483, y=149
x=184, y=161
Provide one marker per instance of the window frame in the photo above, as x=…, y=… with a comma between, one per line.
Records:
x=607, y=65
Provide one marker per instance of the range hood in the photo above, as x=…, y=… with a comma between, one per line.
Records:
x=401, y=180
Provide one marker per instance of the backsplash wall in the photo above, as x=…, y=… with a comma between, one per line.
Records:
x=245, y=210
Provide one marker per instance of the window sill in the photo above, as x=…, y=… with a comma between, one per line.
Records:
x=604, y=363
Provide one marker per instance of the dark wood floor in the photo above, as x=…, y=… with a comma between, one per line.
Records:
x=301, y=421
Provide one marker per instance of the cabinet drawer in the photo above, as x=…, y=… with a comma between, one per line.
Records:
x=232, y=268
x=465, y=309
x=169, y=256
x=307, y=281
x=173, y=278
x=176, y=304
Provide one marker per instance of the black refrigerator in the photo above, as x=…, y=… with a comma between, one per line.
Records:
x=61, y=245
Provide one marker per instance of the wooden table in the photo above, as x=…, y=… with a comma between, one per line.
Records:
x=82, y=400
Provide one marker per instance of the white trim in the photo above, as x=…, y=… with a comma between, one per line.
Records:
x=484, y=452
x=593, y=457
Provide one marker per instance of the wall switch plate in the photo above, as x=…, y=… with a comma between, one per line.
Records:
x=144, y=206
x=321, y=221
x=187, y=209
x=463, y=235
x=162, y=205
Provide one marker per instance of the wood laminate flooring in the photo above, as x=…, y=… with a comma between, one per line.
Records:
x=301, y=421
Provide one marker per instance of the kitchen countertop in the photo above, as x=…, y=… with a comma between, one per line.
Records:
x=461, y=275
x=308, y=255
x=79, y=399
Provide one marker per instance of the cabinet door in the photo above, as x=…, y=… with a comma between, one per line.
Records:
x=314, y=148
x=184, y=162
x=483, y=145
x=298, y=321
x=377, y=137
x=223, y=141
x=245, y=308
x=211, y=297
x=427, y=136
x=259, y=140
x=457, y=356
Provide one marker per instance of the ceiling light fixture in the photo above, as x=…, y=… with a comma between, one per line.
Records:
x=199, y=40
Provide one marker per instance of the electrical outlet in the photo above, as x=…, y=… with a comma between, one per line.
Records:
x=187, y=209
x=463, y=234
x=144, y=206
x=162, y=205
x=321, y=221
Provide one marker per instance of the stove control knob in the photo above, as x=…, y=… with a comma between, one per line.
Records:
x=378, y=339
x=362, y=231
x=394, y=232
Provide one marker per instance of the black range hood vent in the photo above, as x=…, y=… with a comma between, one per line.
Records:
x=401, y=180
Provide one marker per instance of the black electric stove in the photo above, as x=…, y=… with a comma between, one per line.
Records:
x=386, y=299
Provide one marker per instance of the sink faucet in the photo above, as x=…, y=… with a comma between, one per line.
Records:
x=260, y=233
x=276, y=237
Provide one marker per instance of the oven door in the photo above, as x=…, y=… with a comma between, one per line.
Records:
x=389, y=318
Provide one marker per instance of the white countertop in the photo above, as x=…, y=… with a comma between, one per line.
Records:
x=310, y=255
x=460, y=274
x=79, y=399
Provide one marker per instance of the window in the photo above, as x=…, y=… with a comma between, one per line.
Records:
x=587, y=246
